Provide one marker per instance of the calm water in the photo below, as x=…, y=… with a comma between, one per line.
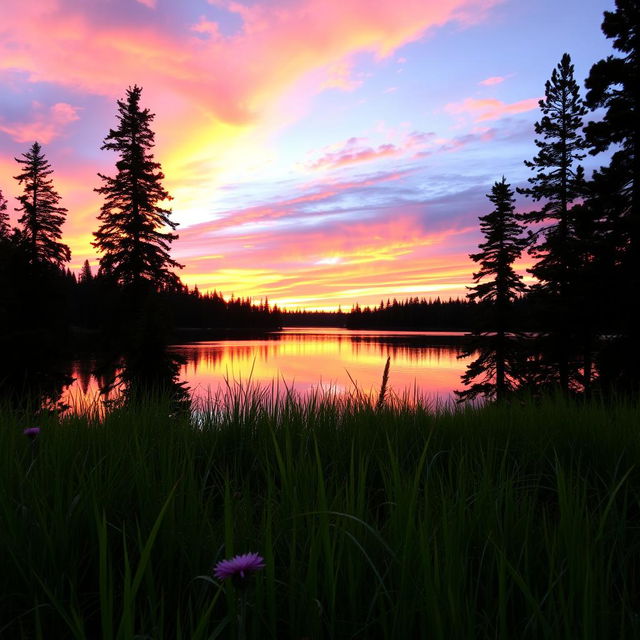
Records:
x=307, y=359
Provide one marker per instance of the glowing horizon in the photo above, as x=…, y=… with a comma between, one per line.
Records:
x=319, y=153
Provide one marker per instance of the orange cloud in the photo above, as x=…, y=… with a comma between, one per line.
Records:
x=482, y=109
x=45, y=124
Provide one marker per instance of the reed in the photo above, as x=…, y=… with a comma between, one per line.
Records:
x=390, y=521
x=383, y=386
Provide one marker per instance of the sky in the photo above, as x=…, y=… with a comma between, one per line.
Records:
x=319, y=152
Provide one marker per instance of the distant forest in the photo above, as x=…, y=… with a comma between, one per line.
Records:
x=582, y=233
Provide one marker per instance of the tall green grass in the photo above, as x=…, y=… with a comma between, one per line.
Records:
x=390, y=522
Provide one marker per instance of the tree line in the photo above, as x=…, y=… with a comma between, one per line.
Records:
x=436, y=314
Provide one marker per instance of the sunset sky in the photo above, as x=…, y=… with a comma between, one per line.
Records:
x=319, y=152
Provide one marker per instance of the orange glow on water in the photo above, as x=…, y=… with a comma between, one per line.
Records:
x=308, y=359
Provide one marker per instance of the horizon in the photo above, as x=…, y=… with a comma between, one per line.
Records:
x=320, y=155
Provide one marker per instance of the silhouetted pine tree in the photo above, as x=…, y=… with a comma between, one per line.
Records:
x=614, y=84
x=5, y=229
x=42, y=216
x=131, y=236
x=85, y=274
x=496, y=369
x=558, y=183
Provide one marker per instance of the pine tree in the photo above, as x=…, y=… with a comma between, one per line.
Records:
x=559, y=182
x=614, y=84
x=42, y=216
x=497, y=286
x=86, y=277
x=5, y=229
x=134, y=247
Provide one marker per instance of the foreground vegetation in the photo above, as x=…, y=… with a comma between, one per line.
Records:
x=498, y=522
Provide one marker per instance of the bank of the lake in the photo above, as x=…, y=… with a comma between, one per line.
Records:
x=520, y=521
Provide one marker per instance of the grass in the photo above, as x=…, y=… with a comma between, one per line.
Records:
x=392, y=522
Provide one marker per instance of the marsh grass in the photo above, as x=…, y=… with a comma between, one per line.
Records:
x=390, y=521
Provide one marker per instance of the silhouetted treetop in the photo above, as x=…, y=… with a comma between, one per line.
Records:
x=558, y=181
x=502, y=247
x=132, y=236
x=42, y=216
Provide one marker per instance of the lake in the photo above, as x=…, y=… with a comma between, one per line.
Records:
x=308, y=359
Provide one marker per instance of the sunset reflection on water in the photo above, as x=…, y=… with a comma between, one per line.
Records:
x=309, y=359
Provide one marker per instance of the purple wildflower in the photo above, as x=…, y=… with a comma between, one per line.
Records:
x=32, y=432
x=238, y=566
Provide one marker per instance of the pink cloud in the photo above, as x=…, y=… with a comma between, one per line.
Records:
x=353, y=151
x=44, y=125
x=413, y=146
x=354, y=156
x=493, y=80
x=482, y=109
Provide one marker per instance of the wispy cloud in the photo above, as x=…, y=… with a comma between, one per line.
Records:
x=493, y=80
x=356, y=151
x=482, y=109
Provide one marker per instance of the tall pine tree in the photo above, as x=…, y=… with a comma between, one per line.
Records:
x=132, y=236
x=42, y=216
x=614, y=85
x=496, y=369
x=558, y=183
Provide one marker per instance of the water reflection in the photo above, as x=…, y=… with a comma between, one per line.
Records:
x=308, y=359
